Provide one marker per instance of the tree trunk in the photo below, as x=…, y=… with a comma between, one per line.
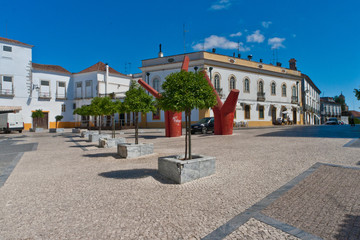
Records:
x=100, y=123
x=189, y=129
x=186, y=135
x=113, y=125
x=136, y=128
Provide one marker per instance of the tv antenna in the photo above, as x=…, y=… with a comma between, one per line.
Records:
x=184, y=33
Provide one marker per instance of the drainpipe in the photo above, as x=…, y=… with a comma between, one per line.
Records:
x=106, y=77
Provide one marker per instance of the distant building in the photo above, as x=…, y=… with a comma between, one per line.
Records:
x=26, y=86
x=329, y=108
x=311, y=101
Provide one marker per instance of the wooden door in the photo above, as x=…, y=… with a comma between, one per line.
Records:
x=42, y=122
x=273, y=115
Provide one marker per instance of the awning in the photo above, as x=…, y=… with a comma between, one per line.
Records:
x=10, y=108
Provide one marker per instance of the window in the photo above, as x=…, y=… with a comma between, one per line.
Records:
x=6, y=85
x=261, y=112
x=273, y=88
x=74, y=106
x=63, y=108
x=217, y=81
x=294, y=91
x=78, y=93
x=283, y=90
x=261, y=86
x=156, y=114
x=44, y=89
x=7, y=48
x=156, y=84
x=232, y=83
x=247, y=111
x=88, y=89
x=246, y=85
x=61, y=90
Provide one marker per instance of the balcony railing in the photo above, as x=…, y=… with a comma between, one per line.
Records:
x=44, y=95
x=261, y=96
x=60, y=96
x=294, y=99
x=220, y=92
x=6, y=92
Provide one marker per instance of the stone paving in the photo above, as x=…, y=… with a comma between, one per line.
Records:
x=62, y=191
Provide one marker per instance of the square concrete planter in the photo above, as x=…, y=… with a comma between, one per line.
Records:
x=182, y=171
x=85, y=134
x=94, y=137
x=110, y=142
x=36, y=129
x=132, y=150
x=75, y=130
x=56, y=130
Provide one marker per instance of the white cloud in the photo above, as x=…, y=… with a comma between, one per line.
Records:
x=255, y=37
x=276, y=42
x=220, y=4
x=238, y=34
x=266, y=24
x=219, y=42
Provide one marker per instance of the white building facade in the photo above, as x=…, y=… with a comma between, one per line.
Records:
x=267, y=93
x=311, y=100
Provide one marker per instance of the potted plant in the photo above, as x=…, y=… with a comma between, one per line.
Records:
x=136, y=101
x=35, y=116
x=184, y=91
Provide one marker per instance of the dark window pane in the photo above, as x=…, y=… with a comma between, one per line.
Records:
x=7, y=48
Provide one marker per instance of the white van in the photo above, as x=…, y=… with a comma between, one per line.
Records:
x=11, y=122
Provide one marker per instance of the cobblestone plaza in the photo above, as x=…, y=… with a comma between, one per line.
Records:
x=270, y=183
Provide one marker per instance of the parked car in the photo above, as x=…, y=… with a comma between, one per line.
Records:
x=332, y=121
x=203, y=126
x=11, y=122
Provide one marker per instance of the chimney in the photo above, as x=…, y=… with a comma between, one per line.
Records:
x=249, y=57
x=214, y=50
x=261, y=60
x=160, y=55
x=292, y=64
x=239, y=55
x=278, y=64
x=106, y=77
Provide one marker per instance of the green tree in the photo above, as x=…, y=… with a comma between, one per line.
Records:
x=99, y=107
x=58, y=118
x=184, y=91
x=357, y=93
x=137, y=101
x=84, y=110
x=36, y=115
x=341, y=100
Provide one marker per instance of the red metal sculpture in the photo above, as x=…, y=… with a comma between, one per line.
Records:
x=223, y=113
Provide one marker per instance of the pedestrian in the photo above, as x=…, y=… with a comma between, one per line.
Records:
x=352, y=121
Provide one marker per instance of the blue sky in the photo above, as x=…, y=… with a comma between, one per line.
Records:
x=322, y=35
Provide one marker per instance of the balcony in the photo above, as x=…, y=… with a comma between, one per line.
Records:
x=294, y=99
x=261, y=96
x=44, y=95
x=60, y=96
x=7, y=93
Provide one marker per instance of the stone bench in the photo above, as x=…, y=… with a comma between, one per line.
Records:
x=85, y=134
x=75, y=130
x=110, y=142
x=132, y=150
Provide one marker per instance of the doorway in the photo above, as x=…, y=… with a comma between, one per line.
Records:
x=42, y=122
x=294, y=116
x=273, y=115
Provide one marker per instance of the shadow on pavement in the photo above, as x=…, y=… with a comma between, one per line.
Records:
x=97, y=155
x=136, y=174
x=338, y=131
x=350, y=228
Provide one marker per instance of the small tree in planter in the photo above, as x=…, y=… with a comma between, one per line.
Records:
x=36, y=115
x=97, y=108
x=58, y=118
x=184, y=91
x=84, y=110
x=138, y=101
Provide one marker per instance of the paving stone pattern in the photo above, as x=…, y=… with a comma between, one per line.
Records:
x=255, y=230
x=326, y=204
